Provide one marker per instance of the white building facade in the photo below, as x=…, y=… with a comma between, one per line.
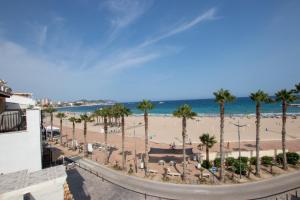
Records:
x=21, y=173
x=20, y=150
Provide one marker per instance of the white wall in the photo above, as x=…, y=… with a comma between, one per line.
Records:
x=17, y=102
x=22, y=149
x=249, y=154
x=49, y=185
x=49, y=190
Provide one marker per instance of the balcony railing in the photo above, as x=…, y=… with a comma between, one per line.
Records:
x=12, y=121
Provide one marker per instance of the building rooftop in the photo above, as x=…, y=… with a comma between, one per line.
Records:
x=5, y=91
x=21, y=179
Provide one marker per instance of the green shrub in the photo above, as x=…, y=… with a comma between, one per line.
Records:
x=117, y=166
x=237, y=166
x=206, y=164
x=130, y=171
x=217, y=162
x=291, y=158
x=244, y=159
x=229, y=161
x=253, y=160
x=266, y=160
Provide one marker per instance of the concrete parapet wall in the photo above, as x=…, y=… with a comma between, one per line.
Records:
x=249, y=154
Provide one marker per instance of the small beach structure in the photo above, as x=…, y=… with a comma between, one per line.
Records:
x=56, y=131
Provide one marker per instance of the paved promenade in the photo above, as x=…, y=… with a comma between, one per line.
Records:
x=266, y=189
x=86, y=186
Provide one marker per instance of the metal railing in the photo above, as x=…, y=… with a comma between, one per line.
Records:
x=288, y=194
x=99, y=175
x=12, y=121
x=291, y=194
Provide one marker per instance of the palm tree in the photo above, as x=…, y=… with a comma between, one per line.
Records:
x=115, y=112
x=123, y=111
x=209, y=142
x=284, y=96
x=221, y=97
x=85, y=118
x=61, y=116
x=259, y=97
x=297, y=88
x=97, y=114
x=145, y=106
x=74, y=120
x=185, y=112
x=110, y=115
x=105, y=112
x=51, y=110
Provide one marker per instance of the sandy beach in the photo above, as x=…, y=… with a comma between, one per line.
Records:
x=168, y=129
x=164, y=130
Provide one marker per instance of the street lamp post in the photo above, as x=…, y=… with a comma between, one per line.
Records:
x=135, y=161
x=238, y=125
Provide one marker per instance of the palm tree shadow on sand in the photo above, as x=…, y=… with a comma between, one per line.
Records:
x=110, y=151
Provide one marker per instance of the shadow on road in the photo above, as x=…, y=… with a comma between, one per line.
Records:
x=76, y=185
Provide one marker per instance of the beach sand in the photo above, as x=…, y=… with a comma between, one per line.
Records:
x=164, y=130
x=168, y=129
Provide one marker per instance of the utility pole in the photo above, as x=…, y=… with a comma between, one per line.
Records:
x=238, y=125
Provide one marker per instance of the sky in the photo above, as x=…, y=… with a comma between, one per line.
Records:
x=128, y=50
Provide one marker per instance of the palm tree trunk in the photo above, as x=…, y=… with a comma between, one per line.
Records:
x=105, y=139
x=123, y=141
x=284, y=108
x=60, y=138
x=73, y=136
x=85, y=142
x=146, y=142
x=51, y=123
x=183, y=145
x=222, y=141
x=105, y=131
x=257, y=167
x=207, y=153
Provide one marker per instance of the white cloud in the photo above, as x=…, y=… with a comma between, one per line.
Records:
x=208, y=15
x=125, y=12
x=66, y=64
x=140, y=54
x=126, y=59
x=27, y=71
x=42, y=35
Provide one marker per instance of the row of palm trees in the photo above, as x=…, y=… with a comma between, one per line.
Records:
x=284, y=96
x=119, y=111
x=224, y=96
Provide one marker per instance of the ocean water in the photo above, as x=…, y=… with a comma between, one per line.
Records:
x=205, y=107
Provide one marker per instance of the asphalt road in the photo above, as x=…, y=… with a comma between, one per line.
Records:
x=261, y=189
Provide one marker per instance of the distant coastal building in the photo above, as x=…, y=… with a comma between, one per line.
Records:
x=21, y=173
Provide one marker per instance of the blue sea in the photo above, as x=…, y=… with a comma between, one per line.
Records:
x=204, y=107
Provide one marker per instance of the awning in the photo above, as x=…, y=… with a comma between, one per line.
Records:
x=48, y=128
